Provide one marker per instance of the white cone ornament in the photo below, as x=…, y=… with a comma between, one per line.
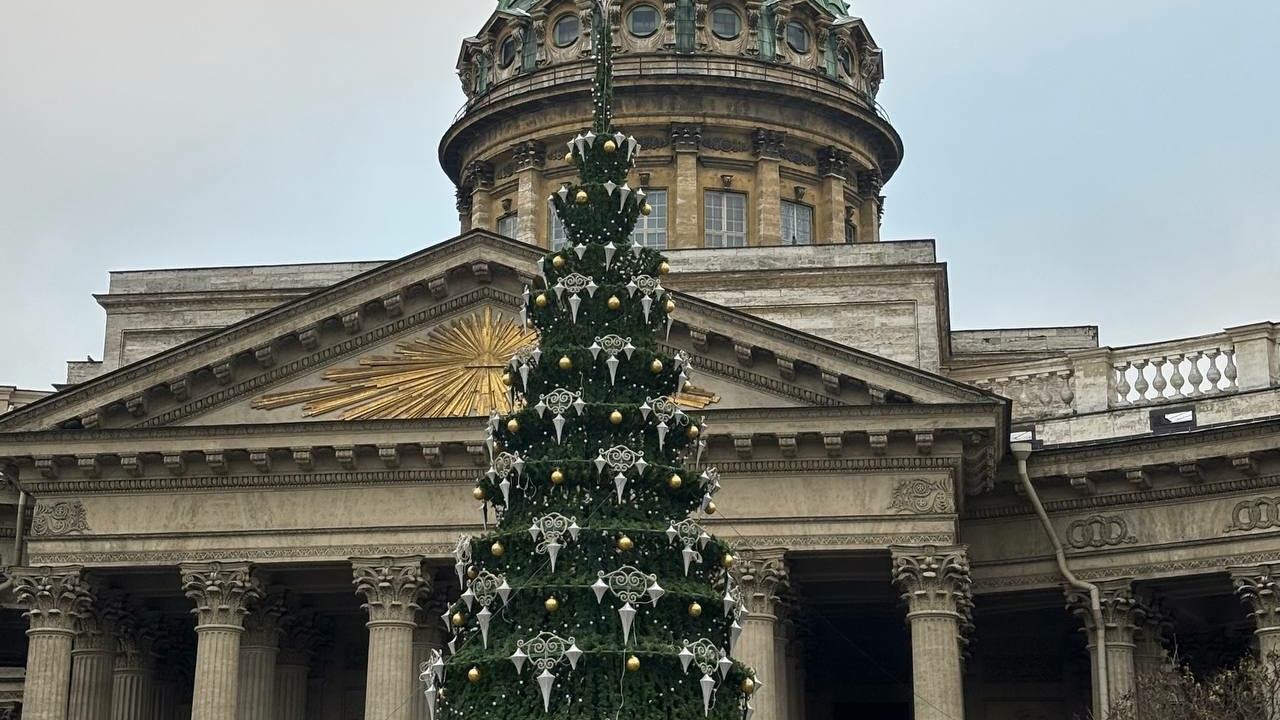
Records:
x=610, y=187
x=600, y=587
x=517, y=658
x=725, y=665
x=708, y=684
x=609, y=250
x=553, y=550
x=559, y=423
x=469, y=598
x=580, y=249
x=572, y=655
x=686, y=657
x=646, y=304
x=545, y=682
x=688, y=554
x=626, y=193
x=504, y=591
x=620, y=483
x=627, y=614
x=655, y=592
x=574, y=302
x=430, y=694
x=662, y=434
x=505, y=487
x=483, y=617
x=612, y=362
x=749, y=712
x=735, y=632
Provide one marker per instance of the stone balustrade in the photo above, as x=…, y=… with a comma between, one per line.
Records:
x=1236, y=360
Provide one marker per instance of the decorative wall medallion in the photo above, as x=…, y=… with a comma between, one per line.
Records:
x=725, y=145
x=923, y=497
x=63, y=518
x=1099, y=531
x=1256, y=514
x=456, y=371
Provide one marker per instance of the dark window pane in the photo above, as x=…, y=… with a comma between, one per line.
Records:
x=798, y=37
x=566, y=31
x=644, y=20
x=725, y=23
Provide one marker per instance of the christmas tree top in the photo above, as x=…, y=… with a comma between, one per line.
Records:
x=598, y=487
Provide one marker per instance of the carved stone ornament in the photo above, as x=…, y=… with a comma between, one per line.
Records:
x=262, y=626
x=53, y=599
x=1254, y=514
x=934, y=579
x=762, y=576
x=220, y=591
x=390, y=586
x=1121, y=611
x=922, y=496
x=1099, y=531
x=1259, y=588
x=61, y=518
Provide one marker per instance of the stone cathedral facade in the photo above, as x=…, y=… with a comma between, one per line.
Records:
x=249, y=507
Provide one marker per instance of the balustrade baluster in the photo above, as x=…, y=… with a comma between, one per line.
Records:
x=1230, y=371
x=1176, y=381
x=1122, y=383
x=1024, y=399
x=1067, y=393
x=1158, y=382
x=1046, y=392
x=1214, y=375
x=1140, y=383
x=1195, y=376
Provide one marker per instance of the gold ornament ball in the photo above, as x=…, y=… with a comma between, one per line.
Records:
x=551, y=604
x=497, y=549
x=479, y=494
x=557, y=477
x=458, y=619
x=615, y=417
x=566, y=363
x=664, y=268
x=542, y=300
x=711, y=508
x=557, y=261
x=633, y=663
x=614, y=303
x=582, y=197
x=506, y=379
x=748, y=686
x=473, y=572
x=646, y=209
x=675, y=482
x=513, y=425
x=695, y=609
x=568, y=157
x=610, y=146
x=655, y=366
x=727, y=561
x=473, y=674
x=443, y=692
x=671, y=306
x=625, y=543
x=694, y=431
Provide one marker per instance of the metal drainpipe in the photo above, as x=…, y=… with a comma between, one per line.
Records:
x=1022, y=451
x=18, y=534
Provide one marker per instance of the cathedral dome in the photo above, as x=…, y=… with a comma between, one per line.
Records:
x=758, y=119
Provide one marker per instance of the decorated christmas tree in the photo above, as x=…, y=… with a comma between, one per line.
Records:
x=598, y=594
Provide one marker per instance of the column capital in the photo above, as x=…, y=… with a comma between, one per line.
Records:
x=1258, y=587
x=390, y=587
x=762, y=577
x=463, y=199
x=529, y=155
x=96, y=626
x=301, y=637
x=135, y=643
x=832, y=161
x=686, y=138
x=934, y=579
x=869, y=184
x=220, y=591
x=479, y=175
x=262, y=624
x=1122, y=613
x=53, y=598
x=766, y=143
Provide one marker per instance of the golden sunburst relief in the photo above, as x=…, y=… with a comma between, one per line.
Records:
x=456, y=371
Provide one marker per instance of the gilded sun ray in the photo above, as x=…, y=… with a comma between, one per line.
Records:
x=456, y=371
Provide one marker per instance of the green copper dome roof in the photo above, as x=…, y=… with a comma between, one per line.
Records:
x=839, y=8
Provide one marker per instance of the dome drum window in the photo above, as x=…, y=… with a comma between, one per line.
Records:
x=643, y=20
x=566, y=30
x=726, y=23
x=798, y=38
x=507, y=52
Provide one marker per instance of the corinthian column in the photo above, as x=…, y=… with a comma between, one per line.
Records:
x=935, y=584
x=762, y=575
x=426, y=639
x=53, y=599
x=220, y=592
x=133, y=682
x=390, y=587
x=92, y=660
x=296, y=649
x=259, y=646
x=1121, y=616
x=1258, y=586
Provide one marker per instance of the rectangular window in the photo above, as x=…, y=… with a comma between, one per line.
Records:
x=797, y=223
x=850, y=233
x=528, y=52
x=507, y=225
x=686, y=15
x=652, y=231
x=726, y=223
x=559, y=239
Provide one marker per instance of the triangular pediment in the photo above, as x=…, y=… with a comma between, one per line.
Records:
x=431, y=327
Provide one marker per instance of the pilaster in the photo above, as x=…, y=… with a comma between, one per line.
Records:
x=686, y=141
x=936, y=586
x=869, y=184
x=220, y=592
x=390, y=587
x=767, y=146
x=833, y=164
x=1121, y=616
x=463, y=202
x=53, y=600
x=530, y=158
x=479, y=177
x=762, y=577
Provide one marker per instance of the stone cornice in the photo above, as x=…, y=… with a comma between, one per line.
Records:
x=1216, y=564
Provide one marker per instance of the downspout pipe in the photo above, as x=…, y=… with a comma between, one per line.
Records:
x=1022, y=451
x=19, y=534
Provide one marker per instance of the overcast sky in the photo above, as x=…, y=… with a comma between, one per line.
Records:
x=1110, y=162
